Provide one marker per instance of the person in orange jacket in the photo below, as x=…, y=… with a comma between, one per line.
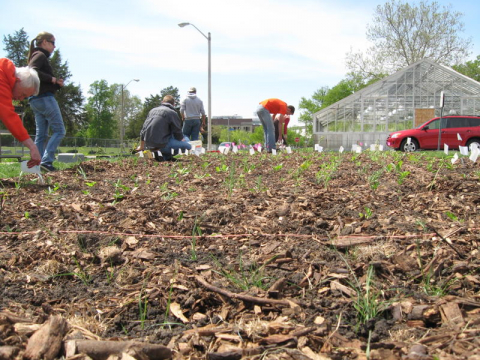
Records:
x=18, y=84
x=273, y=107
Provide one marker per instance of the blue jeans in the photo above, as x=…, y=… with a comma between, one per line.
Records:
x=175, y=145
x=191, y=128
x=47, y=115
x=268, y=128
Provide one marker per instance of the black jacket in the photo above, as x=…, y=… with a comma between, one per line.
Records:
x=162, y=122
x=39, y=61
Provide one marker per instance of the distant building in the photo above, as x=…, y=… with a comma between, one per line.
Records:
x=235, y=123
x=400, y=101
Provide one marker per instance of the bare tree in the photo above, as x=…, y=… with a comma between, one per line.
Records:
x=403, y=34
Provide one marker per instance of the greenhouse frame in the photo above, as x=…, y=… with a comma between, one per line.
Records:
x=400, y=101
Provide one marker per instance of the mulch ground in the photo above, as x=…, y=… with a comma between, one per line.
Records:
x=294, y=256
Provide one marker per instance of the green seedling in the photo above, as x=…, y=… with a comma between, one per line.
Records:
x=402, y=176
x=278, y=167
x=367, y=214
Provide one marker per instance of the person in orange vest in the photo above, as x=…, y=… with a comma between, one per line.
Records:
x=267, y=111
x=18, y=84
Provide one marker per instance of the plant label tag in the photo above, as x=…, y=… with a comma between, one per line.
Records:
x=235, y=149
x=173, y=152
x=341, y=150
x=159, y=153
x=445, y=149
x=259, y=148
x=373, y=147
x=202, y=150
x=252, y=151
x=474, y=154
x=274, y=152
x=459, y=137
x=320, y=148
x=463, y=150
x=454, y=159
x=316, y=147
x=226, y=150
x=380, y=147
x=409, y=141
x=140, y=154
x=358, y=150
x=33, y=170
x=289, y=150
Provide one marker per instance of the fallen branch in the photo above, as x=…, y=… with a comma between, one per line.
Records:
x=252, y=299
x=101, y=350
x=448, y=242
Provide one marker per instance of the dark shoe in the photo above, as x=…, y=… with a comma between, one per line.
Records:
x=47, y=167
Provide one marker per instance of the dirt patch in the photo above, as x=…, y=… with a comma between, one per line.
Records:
x=293, y=256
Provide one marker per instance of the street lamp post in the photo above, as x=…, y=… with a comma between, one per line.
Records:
x=122, y=120
x=209, y=38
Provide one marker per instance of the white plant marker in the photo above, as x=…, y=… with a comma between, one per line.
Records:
x=274, y=152
x=173, y=152
x=235, y=149
x=445, y=149
x=358, y=150
x=459, y=137
x=320, y=148
x=33, y=170
x=341, y=150
x=454, y=159
x=463, y=150
x=373, y=147
x=289, y=150
x=260, y=148
x=252, y=151
x=316, y=147
x=474, y=154
x=380, y=147
x=409, y=141
x=140, y=154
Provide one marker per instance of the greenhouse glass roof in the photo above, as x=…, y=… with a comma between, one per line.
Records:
x=395, y=102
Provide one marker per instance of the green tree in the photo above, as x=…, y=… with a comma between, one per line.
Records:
x=100, y=110
x=173, y=91
x=403, y=34
x=16, y=46
x=308, y=107
x=470, y=69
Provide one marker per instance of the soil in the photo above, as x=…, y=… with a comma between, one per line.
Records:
x=293, y=256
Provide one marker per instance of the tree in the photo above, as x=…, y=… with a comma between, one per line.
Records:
x=100, y=111
x=173, y=91
x=470, y=69
x=16, y=46
x=403, y=34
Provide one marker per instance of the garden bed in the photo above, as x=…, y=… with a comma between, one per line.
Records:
x=294, y=256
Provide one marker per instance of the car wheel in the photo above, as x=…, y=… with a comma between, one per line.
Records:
x=474, y=142
x=413, y=146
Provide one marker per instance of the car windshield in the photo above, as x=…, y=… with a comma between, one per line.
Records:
x=432, y=125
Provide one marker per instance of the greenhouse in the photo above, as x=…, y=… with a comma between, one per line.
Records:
x=403, y=100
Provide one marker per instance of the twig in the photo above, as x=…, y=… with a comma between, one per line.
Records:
x=448, y=243
x=252, y=299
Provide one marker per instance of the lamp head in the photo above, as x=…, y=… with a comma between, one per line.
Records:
x=183, y=24
x=137, y=80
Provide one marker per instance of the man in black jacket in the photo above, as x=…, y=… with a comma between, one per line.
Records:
x=162, y=131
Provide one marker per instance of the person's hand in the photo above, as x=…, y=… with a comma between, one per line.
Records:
x=35, y=158
x=60, y=82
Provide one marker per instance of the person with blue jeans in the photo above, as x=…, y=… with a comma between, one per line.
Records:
x=162, y=131
x=272, y=106
x=44, y=106
x=193, y=115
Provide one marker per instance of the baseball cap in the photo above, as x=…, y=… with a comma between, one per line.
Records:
x=193, y=89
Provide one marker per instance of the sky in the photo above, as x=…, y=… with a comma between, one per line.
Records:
x=260, y=49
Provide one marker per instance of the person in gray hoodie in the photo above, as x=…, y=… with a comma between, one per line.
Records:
x=193, y=115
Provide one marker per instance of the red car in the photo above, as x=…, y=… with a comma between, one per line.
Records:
x=455, y=131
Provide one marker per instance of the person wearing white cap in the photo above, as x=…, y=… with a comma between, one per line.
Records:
x=193, y=115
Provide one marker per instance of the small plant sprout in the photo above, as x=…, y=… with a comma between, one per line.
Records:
x=367, y=214
x=196, y=231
